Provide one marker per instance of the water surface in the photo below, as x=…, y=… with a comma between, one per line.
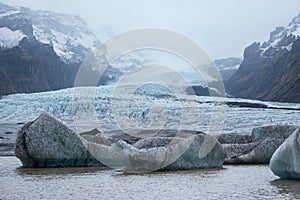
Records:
x=238, y=182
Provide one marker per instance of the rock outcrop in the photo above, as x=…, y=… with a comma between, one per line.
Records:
x=257, y=148
x=46, y=142
x=285, y=162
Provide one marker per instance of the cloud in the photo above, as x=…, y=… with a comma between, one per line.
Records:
x=224, y=28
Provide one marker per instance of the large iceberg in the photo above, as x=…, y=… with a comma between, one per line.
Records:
x=285, y=162
x=186, y=151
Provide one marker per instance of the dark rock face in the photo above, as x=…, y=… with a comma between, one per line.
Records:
x=270, y=71
x=33, y=67
x=285, y=162
x=41, y=61
x=272, y=77
x=19, y=22
x=46, y=142
x=197, y=90
x=257, y=148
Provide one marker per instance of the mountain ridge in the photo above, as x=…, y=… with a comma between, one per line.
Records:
x=40, y=50
x=68, y=34
x=270, y=71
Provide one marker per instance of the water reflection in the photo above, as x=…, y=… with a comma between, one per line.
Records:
x=232, y=182
x=199, y=172
x=59, y=171
x=291, y=187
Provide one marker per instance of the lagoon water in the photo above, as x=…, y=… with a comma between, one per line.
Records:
x=231, y=182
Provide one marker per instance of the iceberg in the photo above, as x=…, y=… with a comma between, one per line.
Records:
x=285, y=162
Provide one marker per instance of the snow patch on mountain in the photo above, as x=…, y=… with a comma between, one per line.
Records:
x=65, y=32
x=10, y=12
x=9, y=38
x=68, y=34
x=281, y=38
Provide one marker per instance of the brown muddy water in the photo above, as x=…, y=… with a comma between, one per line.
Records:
x=231, y=182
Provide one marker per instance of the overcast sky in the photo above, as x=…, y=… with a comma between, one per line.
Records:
x=223, y=27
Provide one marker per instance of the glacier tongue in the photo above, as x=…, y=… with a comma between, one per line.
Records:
x=142, y=110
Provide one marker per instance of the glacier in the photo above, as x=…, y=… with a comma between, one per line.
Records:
x=148, y=107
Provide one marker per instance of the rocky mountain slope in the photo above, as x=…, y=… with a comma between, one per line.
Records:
x=67, y=34
x=228, y=66
x=40, y=50
x=271, y=70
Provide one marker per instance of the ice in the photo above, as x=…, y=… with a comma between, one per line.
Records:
x=10, y=12
x=144, y=109
x=296, y=32
x=285, y=162
x=289, y=47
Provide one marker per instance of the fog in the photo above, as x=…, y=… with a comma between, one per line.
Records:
x=223, y=28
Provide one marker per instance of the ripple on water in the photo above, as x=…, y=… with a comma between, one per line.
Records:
x=238, y=181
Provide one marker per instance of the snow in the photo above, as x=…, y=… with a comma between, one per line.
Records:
x=292, y=29
x=68, y=34
x=296, y=32
x=10, y=12
x=9, y=38
x=234, y=67
x=274, y=44
x=289, y=47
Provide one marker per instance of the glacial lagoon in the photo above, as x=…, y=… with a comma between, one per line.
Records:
x=231, y=182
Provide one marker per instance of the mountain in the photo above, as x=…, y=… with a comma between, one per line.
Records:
x=271, y=70
x=228, y=66
x=41, y=50
x=67, y=34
